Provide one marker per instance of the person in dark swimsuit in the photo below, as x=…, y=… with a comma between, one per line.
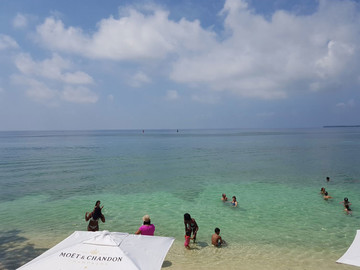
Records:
x=234, y=201
x=94, y=217
x=190, y=225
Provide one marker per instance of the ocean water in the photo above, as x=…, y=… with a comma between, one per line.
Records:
x=49, y=179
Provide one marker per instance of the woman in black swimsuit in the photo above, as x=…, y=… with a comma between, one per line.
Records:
x=190, y=225
x=94, y=217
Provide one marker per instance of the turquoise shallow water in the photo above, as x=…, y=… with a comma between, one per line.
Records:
x=50, y=179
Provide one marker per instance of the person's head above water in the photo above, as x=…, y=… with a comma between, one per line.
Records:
x=217, y=230
x=346, y=199
x=97, y=203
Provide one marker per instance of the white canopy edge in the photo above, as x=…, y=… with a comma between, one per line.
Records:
x=352, y=255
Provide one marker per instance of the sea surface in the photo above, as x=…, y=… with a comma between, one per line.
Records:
x=49, y=179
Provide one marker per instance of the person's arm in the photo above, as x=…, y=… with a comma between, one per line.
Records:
x=102, y=218
x=196, y=226
x=138, y=231
x=88, y=216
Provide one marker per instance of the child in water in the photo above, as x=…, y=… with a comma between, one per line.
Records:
x=216, y=239
x=187, y=239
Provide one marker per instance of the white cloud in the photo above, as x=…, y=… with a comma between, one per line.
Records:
x=37, y=76
x=207, y=99
x=349, y=104
x=79, y=94
x=35, y=90
x=7, y=42
x=51, y=69
x=20, y=21
x=110, y=98
x=257, y=57
x=134, y=36
x=172, y=95
x=139, y=79
x=269, y=58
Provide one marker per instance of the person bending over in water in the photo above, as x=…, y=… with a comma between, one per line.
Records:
x=216, y=239
x=94, y=217
x=234, y=201
x=224, y=198
x=322, y=191
x=190, y=225
x=327, y=196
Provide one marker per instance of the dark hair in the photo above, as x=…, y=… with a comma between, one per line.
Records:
x=326, y=193
x=97, y=203
x=188, y=233
x=346, y=199
x=97, y=213
x=147, y=222
x=187, y=216
x=217, y=230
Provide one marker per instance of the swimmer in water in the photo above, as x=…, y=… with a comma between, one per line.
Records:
x=327, y=196
x=348, y=210
x=234, y=201
x=322, y=191
x=346, y=202
x=224, y=198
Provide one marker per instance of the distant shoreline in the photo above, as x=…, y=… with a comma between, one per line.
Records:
x=341, y=126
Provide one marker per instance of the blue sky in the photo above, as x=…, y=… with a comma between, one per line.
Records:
x=178, y=64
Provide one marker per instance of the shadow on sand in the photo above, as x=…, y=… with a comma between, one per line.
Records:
x=15, y=251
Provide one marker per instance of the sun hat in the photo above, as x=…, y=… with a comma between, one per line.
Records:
x=146, y=218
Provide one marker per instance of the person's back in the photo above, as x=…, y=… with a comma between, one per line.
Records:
x=147, y=229
x=216, y=238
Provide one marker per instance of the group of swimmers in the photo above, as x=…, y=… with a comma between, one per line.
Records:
x=233, y=201
x=345, y=202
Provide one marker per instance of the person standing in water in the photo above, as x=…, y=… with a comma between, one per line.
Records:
x=94, y=217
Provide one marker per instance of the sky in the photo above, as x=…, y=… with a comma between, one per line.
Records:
x=164, y=64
